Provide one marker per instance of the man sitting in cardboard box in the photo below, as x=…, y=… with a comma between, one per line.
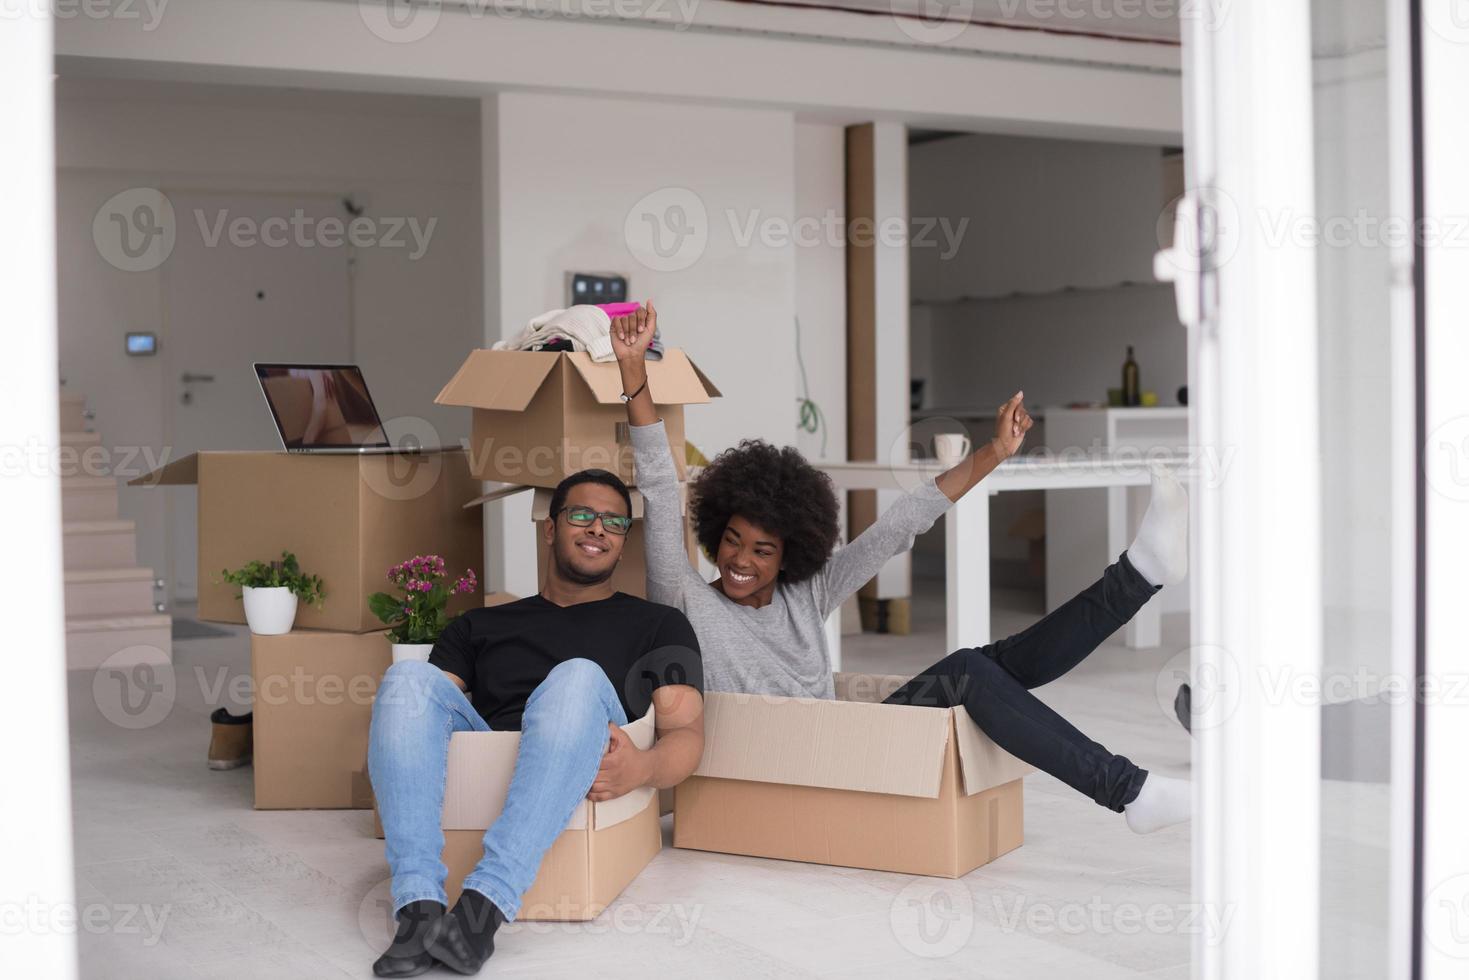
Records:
x=565, y=667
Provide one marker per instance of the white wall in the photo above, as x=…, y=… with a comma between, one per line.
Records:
x=571, y=170
x=1052, y=279
x=1043, y=214
x=404, y=155
x=1059, y=348
x=821, y=286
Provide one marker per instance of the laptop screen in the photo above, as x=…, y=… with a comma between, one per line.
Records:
x=321, y=406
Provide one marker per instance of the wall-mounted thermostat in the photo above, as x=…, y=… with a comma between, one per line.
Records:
x=588, y=288
x=142, y=344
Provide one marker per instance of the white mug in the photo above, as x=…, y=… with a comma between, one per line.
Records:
x=950, y=448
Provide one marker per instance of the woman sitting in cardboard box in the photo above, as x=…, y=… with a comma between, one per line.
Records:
x=768, y=521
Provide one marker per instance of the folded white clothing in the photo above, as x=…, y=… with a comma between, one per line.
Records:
x=587, y=327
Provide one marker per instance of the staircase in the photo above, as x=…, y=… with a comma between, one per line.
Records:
x=110, y=611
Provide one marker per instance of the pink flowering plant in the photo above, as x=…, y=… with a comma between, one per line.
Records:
x=417, y=615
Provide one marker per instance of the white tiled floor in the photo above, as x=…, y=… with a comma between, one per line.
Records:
x=190, y=881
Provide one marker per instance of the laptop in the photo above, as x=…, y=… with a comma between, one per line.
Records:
x=324, y=408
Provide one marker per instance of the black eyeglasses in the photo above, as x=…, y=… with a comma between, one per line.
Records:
x=585, y=517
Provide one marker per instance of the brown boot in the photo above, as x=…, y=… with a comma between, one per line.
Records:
x=233, y=742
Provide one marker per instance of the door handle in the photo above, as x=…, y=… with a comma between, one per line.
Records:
x=189, y=377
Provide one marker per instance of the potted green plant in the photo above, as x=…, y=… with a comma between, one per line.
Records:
x=416, y=617
x=271, y=590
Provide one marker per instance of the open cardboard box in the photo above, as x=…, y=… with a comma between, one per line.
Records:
x=602, y=849
x=632, y=571
x=313, y=706
x=346, y=517
x=851, y=782
x=541, y=416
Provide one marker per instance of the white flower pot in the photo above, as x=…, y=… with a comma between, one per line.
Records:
x=411, y=651
x=270, y=612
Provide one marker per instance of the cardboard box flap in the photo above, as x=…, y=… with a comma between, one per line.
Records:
x=676, y=381
x=868, y=748
x=983, y=764
x=480, y=767
x=498, y=380
x=672, y=381
x=709, y=386
x=501, y=491
x=625, y=807
x=183, y=472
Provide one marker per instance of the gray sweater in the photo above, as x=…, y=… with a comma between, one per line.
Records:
x=779, y=648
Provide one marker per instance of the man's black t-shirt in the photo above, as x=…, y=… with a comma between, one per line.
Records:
x=502, y=653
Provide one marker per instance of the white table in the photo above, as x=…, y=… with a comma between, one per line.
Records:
x=967, y=524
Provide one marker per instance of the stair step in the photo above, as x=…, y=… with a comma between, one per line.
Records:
x=121, y=574
x=86, y=499
x=73, y=413
x=95, y=624
x=109, y=592
x=98, y=544
x=81, y=439
x=118, y=641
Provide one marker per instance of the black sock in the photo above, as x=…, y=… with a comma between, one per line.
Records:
x=407, y=956
x=465, y=938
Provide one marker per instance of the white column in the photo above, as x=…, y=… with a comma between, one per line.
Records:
x=35, y=822
x=967, y=570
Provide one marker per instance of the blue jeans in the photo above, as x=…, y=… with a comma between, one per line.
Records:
x=563, y=737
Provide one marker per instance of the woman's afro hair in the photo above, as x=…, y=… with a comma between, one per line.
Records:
x=776, y=490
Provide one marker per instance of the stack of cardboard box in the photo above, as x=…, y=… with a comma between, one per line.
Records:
x=347, y=518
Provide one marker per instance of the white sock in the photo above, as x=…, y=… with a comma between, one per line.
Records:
x=1160, y=550
x=1162, y=802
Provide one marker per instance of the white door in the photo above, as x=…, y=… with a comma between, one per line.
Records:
x=1298, y=291
x=230, y=298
